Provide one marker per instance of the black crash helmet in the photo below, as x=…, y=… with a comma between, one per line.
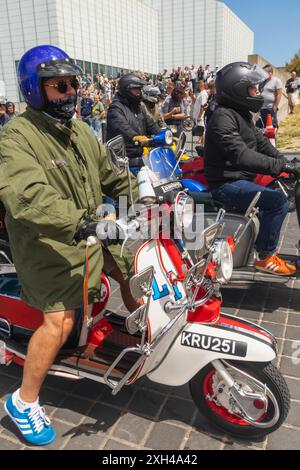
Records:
x=125, y=85
x=233, y=82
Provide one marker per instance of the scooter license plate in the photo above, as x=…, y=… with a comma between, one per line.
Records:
x=168, y=190
x=214, y=344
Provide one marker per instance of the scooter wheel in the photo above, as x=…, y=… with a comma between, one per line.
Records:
x=201, y=387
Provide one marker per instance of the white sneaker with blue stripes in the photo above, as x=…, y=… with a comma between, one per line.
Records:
x=33, y=423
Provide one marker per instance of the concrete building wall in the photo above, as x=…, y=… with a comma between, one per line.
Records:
x=116, y=33
x=23, y=24
x=200, y=32
x=237, y=38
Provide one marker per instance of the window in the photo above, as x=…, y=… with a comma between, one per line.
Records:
x=80, y=63
x=21, y=97
x=88, y=68
x=108, y=71
x=95, y=69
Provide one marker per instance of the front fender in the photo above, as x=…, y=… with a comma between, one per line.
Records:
x=197, y=346
x=193, y=185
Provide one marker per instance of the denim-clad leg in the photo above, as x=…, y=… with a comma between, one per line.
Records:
x=273, y=207
x=97, y=128
x=262, y=121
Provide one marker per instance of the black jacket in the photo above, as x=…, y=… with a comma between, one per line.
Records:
x=4, y=119
x=236, y=150
x=129, y=121
x=86, y=107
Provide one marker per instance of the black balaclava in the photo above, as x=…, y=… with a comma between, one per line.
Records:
x=135, y=100
x=63, y=110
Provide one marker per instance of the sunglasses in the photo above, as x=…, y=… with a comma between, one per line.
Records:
x=62, y=85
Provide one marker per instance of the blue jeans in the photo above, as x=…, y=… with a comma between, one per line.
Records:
x=88, y=120
x=97, y=128
x=273, y=208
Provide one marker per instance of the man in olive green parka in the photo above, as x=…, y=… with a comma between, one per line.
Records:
x=52, y=175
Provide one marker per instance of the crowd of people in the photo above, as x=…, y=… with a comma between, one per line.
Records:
x=185, y=91
x=169, y=97
x=172, y=91
x=7, y=112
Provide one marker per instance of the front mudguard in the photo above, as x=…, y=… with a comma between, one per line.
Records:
x=193, y=185
x=184, y=361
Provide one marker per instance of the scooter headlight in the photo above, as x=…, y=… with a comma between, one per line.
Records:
x=169, y=138
x=223, y=258
x=163, y=137
x=184, y=211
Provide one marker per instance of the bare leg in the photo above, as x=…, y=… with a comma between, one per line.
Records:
x=42, y=350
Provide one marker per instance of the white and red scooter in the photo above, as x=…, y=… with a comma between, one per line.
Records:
x=178, y=335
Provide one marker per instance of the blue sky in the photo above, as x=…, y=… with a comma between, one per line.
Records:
x=276, y=25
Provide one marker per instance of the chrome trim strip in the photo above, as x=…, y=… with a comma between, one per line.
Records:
x=7, y=324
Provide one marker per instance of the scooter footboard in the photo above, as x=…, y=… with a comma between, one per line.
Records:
x=198, y=345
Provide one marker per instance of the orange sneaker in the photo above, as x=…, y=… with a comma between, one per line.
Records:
x=288, y=263
x=275, y=265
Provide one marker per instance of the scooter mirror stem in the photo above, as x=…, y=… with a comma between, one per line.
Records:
x=220, y=216
x=177, y=164
x=130, y=185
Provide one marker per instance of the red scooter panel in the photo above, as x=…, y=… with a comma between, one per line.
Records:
x=20, y=314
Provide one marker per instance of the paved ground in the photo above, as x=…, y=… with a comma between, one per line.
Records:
x=149, y=416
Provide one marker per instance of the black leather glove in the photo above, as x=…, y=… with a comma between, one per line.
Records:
x=293, y=169
x=87, y=229
x=106, y=231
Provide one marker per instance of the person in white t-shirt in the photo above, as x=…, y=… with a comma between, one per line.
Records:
x=194, y=76
x=271, y=90
x=206, y=73
x=293, y=89
x=199, y=111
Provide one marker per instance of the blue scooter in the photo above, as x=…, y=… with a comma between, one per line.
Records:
x=163, y=161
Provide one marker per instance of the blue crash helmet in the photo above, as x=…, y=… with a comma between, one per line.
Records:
x=39, y=63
